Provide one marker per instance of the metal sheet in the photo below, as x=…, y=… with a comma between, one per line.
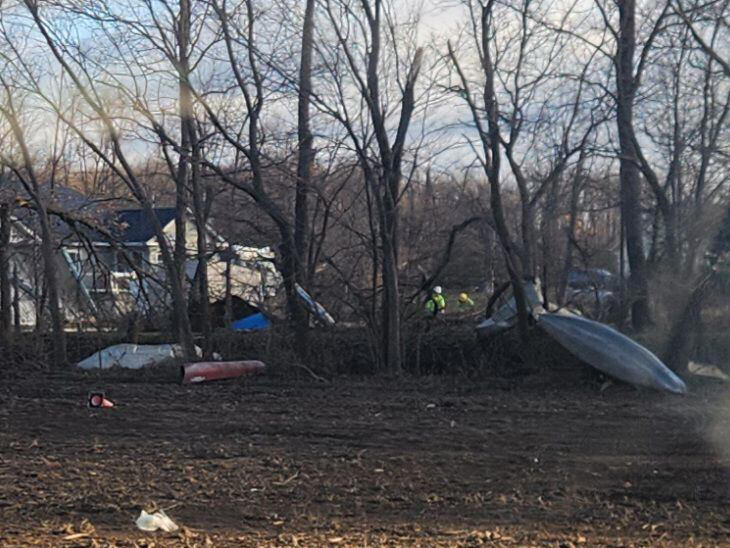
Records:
x=609, y=351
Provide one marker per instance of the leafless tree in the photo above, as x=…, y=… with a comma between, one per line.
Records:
x=24, y=170
x=252, y=74
x=523, y=103
x=78, y=70
x=375, y=117
x=696, y=80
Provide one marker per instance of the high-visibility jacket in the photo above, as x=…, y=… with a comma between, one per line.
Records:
x=436, y=304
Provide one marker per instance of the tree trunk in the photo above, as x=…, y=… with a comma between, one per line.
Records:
x=549, y=233
x=49, y=270
x=391, y=304
x=679, y=347
x=389, y=183
x=299, y=316
x=228, y=302
x=191, y=146
x=515, y=268
x=202, y=241
x=16, y=301
x=629, y=162
x=182, y=176
x=570, y=233
x=5, y=290
x=288, y=269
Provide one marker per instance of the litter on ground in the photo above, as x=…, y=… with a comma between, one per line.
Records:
x=707, y=370
x=133, y=356
x=211, y=371
x=97, y=399
x=153, y=522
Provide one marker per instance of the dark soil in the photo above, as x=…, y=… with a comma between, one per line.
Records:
x=284, y=461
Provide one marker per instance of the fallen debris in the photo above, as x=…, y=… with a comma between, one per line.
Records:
x=153, y=522
x=506, y=316
x=707, y=370
x=210, y=371
x=133, y=356
x=611, y=352
x=97, y=399
x=254, y=322
x=316, y=309
x=596, y=344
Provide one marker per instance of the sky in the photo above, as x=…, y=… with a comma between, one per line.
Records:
x=441, y=17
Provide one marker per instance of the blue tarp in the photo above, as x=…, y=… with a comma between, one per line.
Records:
x=254, y=322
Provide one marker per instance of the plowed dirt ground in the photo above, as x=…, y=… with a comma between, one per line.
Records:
x=280, y=461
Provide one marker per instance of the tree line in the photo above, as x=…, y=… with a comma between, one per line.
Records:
x=371, y=148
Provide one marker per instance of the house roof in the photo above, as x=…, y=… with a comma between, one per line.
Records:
x=134, y=226
x=125, y=225
x=91, y=219
x=58, y=198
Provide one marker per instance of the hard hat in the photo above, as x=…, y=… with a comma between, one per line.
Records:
x=463, y=297
x=437, y=290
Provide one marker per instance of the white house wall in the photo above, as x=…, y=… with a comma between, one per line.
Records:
x=191, y=238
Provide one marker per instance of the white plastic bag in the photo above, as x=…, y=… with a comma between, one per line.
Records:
x=153, y=522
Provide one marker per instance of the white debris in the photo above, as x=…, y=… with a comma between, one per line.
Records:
x=707, y=370
x=153, y=522
x=133, y=356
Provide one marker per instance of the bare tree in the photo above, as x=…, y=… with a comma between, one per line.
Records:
x=524, y=103
x=25, y=171
x=380, y=153
x=697, y=78
x=118, y=162
x=305, y=158
x=251, y=63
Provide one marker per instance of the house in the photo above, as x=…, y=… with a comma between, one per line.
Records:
x=28, y=291
x=110, y=266
x=122, y=268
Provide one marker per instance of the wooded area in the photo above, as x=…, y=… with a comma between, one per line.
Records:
x=379, y=147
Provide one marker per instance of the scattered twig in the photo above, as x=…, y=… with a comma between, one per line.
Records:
x=312, y=373
x=288, y=480
x=76, y=536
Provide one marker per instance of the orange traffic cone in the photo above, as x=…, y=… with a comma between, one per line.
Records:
x=97, y=399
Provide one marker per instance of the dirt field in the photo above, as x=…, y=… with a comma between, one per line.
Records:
x=532, y=460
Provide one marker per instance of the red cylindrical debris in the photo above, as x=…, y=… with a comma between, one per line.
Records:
x=210, y=371
x=98, y=400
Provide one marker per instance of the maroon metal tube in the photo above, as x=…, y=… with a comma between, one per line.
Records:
x=210, y=371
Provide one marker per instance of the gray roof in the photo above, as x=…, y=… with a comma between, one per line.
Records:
x=126, y=225
x=135, y=226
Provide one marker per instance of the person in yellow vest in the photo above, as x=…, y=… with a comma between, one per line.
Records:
x=436, y=304
x=465, y=302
